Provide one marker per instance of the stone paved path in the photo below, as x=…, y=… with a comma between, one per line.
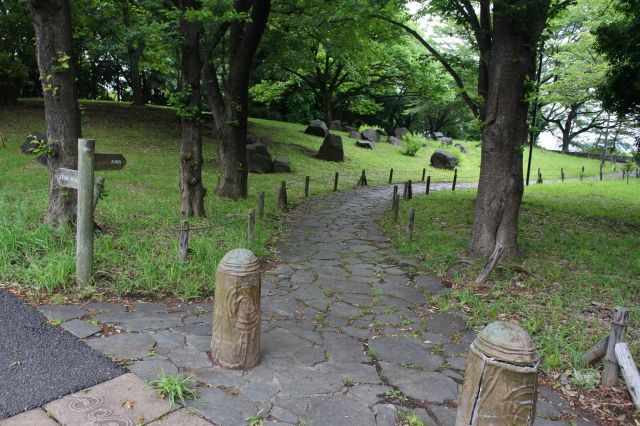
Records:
x=348, y=335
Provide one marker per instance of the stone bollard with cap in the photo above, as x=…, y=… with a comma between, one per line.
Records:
x=501, y=380
x=235, y=341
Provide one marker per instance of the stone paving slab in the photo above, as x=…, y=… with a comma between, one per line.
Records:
x=80, y=329
x=183, y=417
x=35, y=417
x=126, y=400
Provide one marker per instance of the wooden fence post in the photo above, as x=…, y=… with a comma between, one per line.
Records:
x=409, y=190
x=424, y=172
x=183, y=248
x=404, y=191
x=282, y=195
x=98, y=187
x=395, y=194
x=601, y=164
x=455, y=179
x=562, y=173
x=410, y=222
x=629, y=372
x=396, y=208
x=539, y=176
x=306, y=186
x=335, y=182
x=251, y=223
x=495, y=257
x=428, y=185
x=261, y=205
x=619, y=322
x=390, y=175
x=84, y=234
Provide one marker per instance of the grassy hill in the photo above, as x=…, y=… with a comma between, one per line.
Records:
x=136, y=248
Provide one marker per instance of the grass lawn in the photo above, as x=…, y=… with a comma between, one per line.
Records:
x=580, y=241
x=136, y=250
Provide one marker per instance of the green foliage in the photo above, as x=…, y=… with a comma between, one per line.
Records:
x=256, y=419
x=410, y=418
x=13, y=76
x=181, y=101
x=412, y=144
x=174, y=388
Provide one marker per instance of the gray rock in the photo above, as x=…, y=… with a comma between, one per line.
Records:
x=189, y=358
x=336, y=125
x=425, y=386
x=437, y=135
x=394, y=141
x=365, y=144
x=317, y=128
x=221, y=408
x=351, y=129
x=61, y=312
x=258, y=159
x=430, y=284
x=354, y=134
x=343, y=411
x=281, y=165
x=446, y=324
x=343, y=348
x=445, y=415
x=443, y=160
x=385, y=414
x=463, y=149
x=124, y=346
x=80, y=329
x=401, y=132
x=369, y=394
x=446, y=140
x=371, y=135
x=331, y=149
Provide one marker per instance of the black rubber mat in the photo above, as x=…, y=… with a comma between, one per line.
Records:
x=39, y=362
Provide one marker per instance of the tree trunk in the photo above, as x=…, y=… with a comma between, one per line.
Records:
x=191, y=188
x=326, y=107
x=566, y=140
x=134, y=73
x=244, y=38
x=52, y=25
x=517, y=27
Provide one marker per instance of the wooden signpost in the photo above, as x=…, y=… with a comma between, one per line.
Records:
x=82, y=181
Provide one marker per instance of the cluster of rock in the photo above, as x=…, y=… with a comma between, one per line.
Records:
x=369, y=137
x=439, y=136
x=259, y=159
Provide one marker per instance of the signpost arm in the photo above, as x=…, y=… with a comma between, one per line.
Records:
x=84, y=234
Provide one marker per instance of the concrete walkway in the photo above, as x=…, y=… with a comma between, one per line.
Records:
x=348, y=337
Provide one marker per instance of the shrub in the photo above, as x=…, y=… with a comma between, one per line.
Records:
x=13, y=75
x=412, y=144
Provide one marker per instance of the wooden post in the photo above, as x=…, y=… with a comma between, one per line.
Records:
x=629, y=372
x=396, y=208
x=395, y=194
x=601, y=164
x=184, y=240
x=409, y=190
x=251, y=224
x=364, y=178
x=84, y=233
x=424, y=172
x=410, y=222
x=404, y=191
x=282, y=195
x=98, y=187
x=619, y=322
x=306, y=186
x=390, y=175
x=596, y=353
x=235, y=341
x=261, y=205
x=455, y=179
x=562, y=173
x=539, y=176
x=335, y=182
x=428, y=185
x=495, y=256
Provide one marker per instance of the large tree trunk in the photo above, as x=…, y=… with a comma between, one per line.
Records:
x=52, y=25
x=191, y=188
x=243, y=42
x=517, y=27
x=135, y=79
x=326, y=96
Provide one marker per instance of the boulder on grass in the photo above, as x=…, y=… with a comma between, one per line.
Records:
x=331, y=149
x=365, y=144
x=442, y=159
x=463, y=149
x=281, y=165
x=394, y=141
x=371, y=135
x=354, y=134
x=336, y=125
x=317, y=128
x=437, y=135
x=446, y=140
x=259, y=159
x=350, y=129
x=33, y=141
x=401, y=132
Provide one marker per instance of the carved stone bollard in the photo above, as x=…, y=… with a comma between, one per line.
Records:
x=501, y=381
x=235, y=341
